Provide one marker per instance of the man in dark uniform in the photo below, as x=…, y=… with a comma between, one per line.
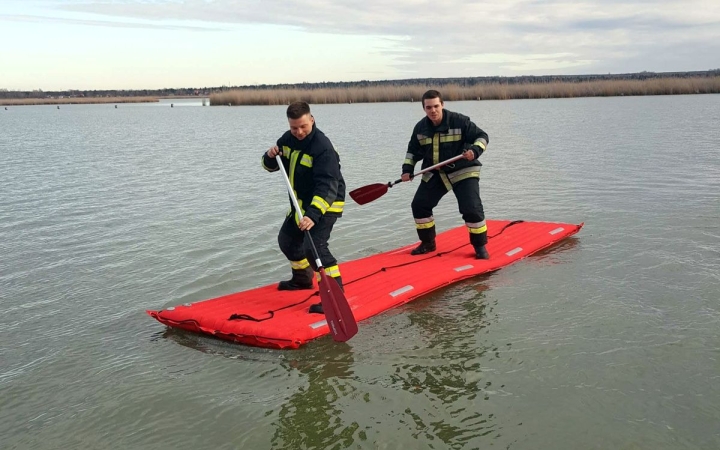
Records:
x=313, y=168
x=439, y=136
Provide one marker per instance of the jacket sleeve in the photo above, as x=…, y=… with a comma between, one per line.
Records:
x=413, y=155
x=326, y=178
x=268, y=163
x=475, y=139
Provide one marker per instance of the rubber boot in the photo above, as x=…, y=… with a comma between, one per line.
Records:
x=481, y=252
x=317, y=308
x=427, y=241
x=301, y=279
x=424, y=247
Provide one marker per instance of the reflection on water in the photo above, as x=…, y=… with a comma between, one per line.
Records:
x=445, y=368
x=554, y=254
x=312, y=416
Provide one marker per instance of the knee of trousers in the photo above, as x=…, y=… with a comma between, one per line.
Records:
x=292, y=249
x=471, y=208
x=326, y=258
x=473, y=216
x=421, y=209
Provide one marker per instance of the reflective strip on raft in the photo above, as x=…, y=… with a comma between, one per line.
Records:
x=265, y=317
x=318, y=324
x=402, y=290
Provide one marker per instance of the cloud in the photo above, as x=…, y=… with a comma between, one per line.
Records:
x=98, y=23
x=439, y=38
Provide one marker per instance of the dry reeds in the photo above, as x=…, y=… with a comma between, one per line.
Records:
x=454, y=92
x=75, y=100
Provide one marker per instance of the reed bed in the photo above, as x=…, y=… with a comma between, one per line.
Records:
x=75, y=100
x=454, y=92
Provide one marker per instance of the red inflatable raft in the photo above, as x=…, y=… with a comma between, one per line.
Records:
x=266, y=317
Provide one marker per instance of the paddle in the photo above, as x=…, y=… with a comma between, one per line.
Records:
x=371, y=192
x=338, y=314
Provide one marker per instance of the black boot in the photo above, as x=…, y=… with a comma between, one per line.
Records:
x=317, y=308
x=481, y=252
x=301, y=279
x=424, y=247
x=427, y=241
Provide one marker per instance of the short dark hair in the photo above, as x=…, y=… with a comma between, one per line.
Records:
x=297, y=109
x=432, y=93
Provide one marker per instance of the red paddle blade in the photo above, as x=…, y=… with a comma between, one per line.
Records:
x=338, y=314
x=368, y=193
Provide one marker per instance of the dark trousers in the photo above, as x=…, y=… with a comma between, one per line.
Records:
x=467, y=193
x=295, y=245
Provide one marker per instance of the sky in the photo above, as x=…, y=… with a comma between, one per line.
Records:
x=156, y=44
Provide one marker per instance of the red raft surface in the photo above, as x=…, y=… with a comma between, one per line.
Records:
x=266, y=317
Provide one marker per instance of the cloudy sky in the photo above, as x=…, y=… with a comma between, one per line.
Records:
x=127, y=44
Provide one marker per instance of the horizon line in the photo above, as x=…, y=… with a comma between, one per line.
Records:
x=443, y=79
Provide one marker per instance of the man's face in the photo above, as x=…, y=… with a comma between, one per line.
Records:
x=301, y=127
x=433, y=109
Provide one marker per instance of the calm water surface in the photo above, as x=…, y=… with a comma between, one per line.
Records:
x=607, y=340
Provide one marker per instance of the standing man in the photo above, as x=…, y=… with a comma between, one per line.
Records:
x=439, y=136
x=313, y=168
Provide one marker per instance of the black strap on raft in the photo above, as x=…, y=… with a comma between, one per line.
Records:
x=271, y=313
x=249, y=317
x=514, y=222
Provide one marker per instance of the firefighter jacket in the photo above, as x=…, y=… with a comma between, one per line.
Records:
x=434, y=144
x=313, y=168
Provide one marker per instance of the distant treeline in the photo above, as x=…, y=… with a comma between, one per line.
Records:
x=456, y=92
x=474, y=81
x=74, y=100
x=460, y=82
x=109, y=94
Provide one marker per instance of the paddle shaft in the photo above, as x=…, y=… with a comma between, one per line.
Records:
x=366, y=194
x=440, y=164
x=297, y=210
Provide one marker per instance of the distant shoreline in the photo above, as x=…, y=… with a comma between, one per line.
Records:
x=93, y=100
x=75, y=100
x=261, y=95
x=455, y=92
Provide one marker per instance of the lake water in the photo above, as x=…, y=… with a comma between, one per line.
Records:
x=607, y=340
